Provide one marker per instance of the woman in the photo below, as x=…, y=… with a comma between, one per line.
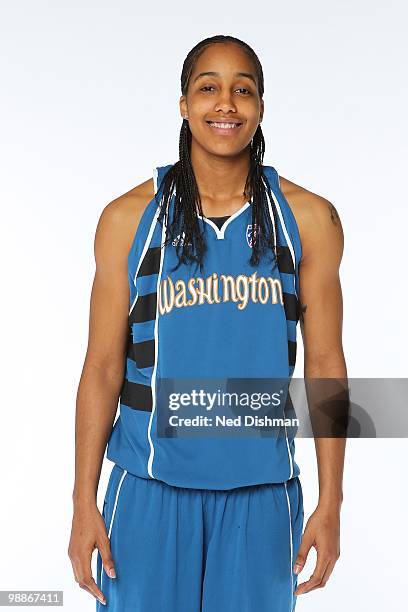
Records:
x=200, y=273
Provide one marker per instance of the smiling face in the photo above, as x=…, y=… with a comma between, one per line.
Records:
x=222, y=104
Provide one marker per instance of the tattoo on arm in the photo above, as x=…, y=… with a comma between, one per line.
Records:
x=333, y=213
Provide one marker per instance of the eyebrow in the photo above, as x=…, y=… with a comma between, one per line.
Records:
x=217, y=74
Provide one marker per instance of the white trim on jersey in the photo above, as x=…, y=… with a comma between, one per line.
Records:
x=288, y=242
x=221, y=231
x=272, y=219
x=153, y=380
x=155, y=176
x=147, y=242
x=291, y=545
x=113, y=514
x=122, y=478
x=156, y=343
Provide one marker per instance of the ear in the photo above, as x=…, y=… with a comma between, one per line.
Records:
x=183, y=106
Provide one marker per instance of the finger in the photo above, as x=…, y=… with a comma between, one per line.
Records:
x=301, y=557
x=83, y=576
x=317, y=576
x=88, y=584
x=106, y=556
x=328, y=572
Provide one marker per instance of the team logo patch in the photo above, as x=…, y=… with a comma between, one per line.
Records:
x=250, y=234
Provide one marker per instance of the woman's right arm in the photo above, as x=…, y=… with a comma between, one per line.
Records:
x=101, y=379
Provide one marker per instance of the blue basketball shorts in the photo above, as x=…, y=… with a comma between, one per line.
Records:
x=198, y=550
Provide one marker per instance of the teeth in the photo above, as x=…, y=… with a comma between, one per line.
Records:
x=224, y=125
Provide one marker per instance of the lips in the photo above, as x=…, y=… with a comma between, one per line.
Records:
x=224, y=128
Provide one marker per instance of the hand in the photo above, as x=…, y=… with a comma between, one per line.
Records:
x=89, y=532
x=323, y=533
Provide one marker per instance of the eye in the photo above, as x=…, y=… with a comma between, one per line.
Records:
x=208, y=87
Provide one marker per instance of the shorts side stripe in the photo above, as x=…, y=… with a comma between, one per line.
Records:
x=113, y=515
x=291, y=547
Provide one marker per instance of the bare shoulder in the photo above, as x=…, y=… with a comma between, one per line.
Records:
x=317, y=218
x=120, y=218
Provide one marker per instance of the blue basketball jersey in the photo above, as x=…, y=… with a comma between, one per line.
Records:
x=227, y=320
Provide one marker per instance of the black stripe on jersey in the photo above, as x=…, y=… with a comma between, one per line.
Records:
x=142, y=353
x=285, y=262
x=290, y=303
x=144, y=309
x=151, y=262
x=292, y=352
x=136, y=396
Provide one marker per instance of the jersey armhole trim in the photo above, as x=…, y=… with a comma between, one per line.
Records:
x=146, y=242
x=297, y=243
x=155, y=177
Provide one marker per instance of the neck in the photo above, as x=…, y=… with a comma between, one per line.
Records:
x=220, y=179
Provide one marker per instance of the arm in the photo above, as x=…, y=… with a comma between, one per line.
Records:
x=100, y=383
x=103, y=369
x=321, y=326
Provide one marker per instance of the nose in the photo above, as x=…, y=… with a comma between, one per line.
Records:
x=225, y=102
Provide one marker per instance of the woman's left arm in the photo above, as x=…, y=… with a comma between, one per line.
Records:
x=321, y=326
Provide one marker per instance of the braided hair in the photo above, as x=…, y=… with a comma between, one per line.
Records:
x=180, y=180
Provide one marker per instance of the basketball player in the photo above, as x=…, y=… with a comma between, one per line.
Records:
x=203, y=271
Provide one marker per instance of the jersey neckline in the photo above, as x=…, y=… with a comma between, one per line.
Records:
x=220, y=232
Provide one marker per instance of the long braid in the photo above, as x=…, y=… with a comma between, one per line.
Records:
x=180, y=182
